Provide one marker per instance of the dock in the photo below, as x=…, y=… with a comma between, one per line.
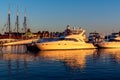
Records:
x=19, y=42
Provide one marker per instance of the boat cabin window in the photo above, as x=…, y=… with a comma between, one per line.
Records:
x=81, y=40
x=69, y=39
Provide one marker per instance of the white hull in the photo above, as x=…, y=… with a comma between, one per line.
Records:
x=74, y=40
x=64, y=46
x=109, y=45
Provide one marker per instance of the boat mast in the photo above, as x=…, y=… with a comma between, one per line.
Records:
x=17, y=21
x=24, y=23
x=9, y=28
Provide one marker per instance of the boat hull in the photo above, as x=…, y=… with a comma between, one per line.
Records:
x=64, y=46
x=109, y=45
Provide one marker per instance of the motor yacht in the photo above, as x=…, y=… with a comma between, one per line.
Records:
x=74, y=39
x=113, y=41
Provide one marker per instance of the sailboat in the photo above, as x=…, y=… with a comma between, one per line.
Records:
x=15, y=39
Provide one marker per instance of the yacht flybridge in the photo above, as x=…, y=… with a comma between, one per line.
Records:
x=73, y=39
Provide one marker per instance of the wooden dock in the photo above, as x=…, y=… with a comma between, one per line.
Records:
x=19, y=42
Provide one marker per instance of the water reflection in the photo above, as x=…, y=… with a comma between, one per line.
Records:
x=114, y=54
x=73, y=58
x=18, y=57
x=14, y=49
x=16, y=63
x=13, y=59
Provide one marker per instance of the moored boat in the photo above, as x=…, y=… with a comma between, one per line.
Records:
x=112, y=42
x=75, y=39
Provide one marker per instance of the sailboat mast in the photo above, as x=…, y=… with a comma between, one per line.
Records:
x=17, y=21
x=9, y=28
x=24, y=23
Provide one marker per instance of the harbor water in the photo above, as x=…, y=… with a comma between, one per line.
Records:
x=16, y=63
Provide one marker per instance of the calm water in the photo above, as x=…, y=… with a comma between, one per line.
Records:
x=18, y=64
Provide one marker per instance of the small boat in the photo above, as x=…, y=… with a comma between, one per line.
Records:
x=112, y=42
x=95, y=37
x=75, y=39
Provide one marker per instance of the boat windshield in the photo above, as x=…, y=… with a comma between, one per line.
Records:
x=47, y=40
x=68, y=39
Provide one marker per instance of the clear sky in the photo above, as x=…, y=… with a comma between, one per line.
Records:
x=93, y=15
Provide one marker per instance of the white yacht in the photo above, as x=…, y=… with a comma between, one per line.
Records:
x=112, y=42
x=74, y=39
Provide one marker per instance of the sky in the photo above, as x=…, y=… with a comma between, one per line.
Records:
x=102, y=16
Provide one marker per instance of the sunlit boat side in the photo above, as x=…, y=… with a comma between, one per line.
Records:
x=75, y=39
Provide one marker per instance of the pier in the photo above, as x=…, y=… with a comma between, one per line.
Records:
x=13, y=42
